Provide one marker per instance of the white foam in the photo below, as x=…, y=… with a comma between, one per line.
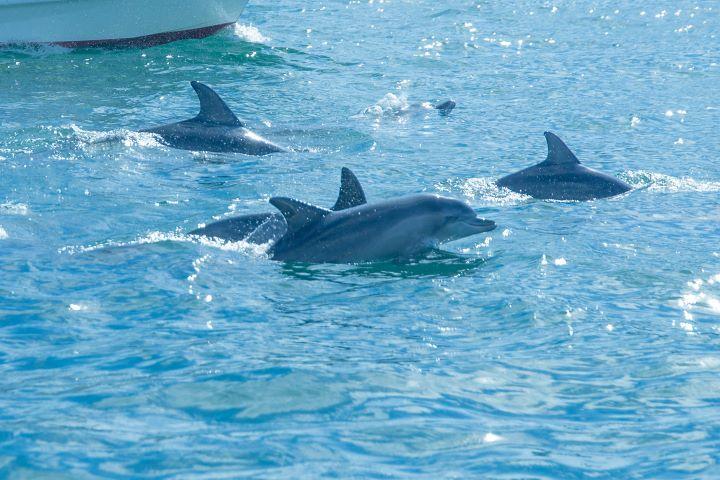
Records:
x=12, y=208
x=491, y=438
x=483, y=189
x=3, y=234
x=667, y=183
x=247, y=248
x=390, y=104
x=486, y=190
x=250, y=33
x=128, y=138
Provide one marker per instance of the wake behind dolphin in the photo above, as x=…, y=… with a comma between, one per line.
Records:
x=214, y=129
x=562, y=177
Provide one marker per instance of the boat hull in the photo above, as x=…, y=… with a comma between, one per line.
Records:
x=112, y=23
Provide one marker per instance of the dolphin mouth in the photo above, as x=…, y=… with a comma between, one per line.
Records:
x=481, y=224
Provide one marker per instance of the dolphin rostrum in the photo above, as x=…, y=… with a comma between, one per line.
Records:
x=214, y=129
x=391, y=229
x=262, y=228
x=562, y=177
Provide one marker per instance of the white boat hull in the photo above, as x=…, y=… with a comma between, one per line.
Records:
x=81, y=23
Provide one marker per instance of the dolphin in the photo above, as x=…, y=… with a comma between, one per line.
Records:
x=214, y=129
x=562, y=177
x=262, y=228
x=391, y=229
x=445, y=107
x=393, y=105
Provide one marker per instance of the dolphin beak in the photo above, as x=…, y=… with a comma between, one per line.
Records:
x=481, y=224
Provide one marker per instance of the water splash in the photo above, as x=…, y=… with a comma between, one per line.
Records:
x=483, y=189
x=249, y=33
x=667, y=183
x=34, y=50
x=3, y=233
x=251, y=249
x=12, y=208
x=128, y=138
x=390, y=105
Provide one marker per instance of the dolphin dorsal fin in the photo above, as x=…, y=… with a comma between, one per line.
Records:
x=298, y=214
x=351, y=192
x=212, y=108
x=558, y=152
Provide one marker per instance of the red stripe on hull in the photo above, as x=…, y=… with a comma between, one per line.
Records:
x=148, y=40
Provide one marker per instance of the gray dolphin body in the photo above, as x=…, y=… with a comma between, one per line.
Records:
x=214, y=129
x=397, y=228
x=262, y=228
x=445, y=107
x=562, y=177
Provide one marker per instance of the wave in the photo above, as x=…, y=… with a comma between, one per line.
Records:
x=63, y=141
x=484, y=189
x=31, y=50
x=129, y=138
x=251, y=249
x=667, y=183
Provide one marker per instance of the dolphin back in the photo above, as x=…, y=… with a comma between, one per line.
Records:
x=445, y=107
x=562, y=177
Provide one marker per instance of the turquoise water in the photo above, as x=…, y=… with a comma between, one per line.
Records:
x=577, y=340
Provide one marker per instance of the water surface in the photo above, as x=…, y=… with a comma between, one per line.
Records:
x=577, y=340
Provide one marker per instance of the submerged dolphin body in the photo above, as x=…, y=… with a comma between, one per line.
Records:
x=268, y=227
x=393, y=105
x=562, y=177
x=397, y=228
x=214, y=129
